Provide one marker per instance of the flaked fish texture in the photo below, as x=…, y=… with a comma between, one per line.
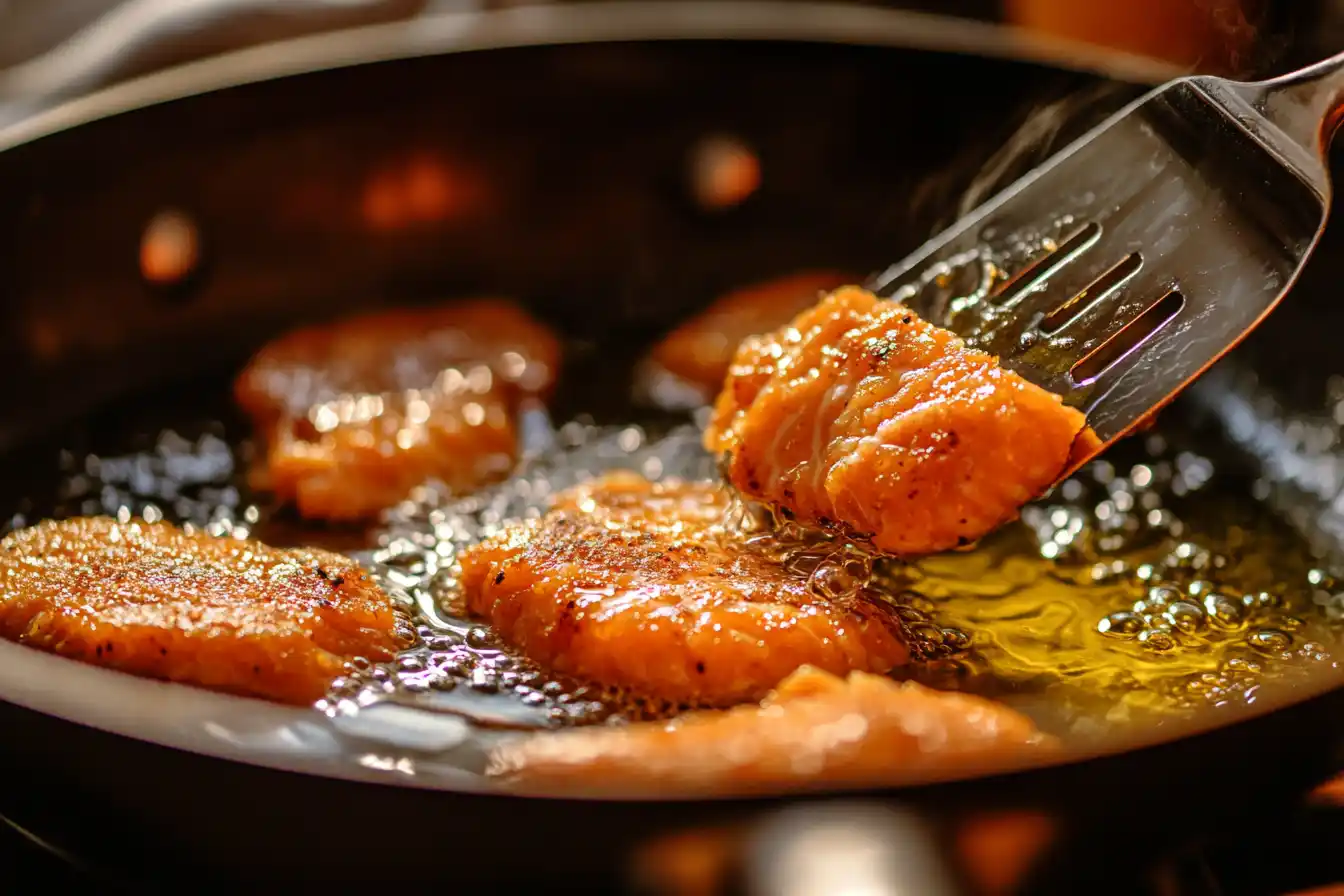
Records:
x=815, y=730
x=220, y=612
x=647, y=587
x=862, y=418
x=357, y=413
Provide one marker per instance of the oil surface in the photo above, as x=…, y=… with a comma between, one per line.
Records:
x=1148, y=584
x=1138, y=588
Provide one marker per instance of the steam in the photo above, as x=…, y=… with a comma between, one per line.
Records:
x=1046, y=130
x=1051, y=122
x=1236, y=27
x=1034, y=134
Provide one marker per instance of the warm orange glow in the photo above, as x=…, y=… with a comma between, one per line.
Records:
x=423, y=190
x=1211, y=35
x=429, y=190
x=999, y=849
x=169, y=249
x=691, y=863
x=44, y=336
x=725, y=172
x=382, y=203
x=1331, y=793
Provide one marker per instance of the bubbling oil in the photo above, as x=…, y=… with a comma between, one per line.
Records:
x=1133, y=590
x=1142, y=587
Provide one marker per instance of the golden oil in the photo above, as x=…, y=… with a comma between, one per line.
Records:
x=1149, y=584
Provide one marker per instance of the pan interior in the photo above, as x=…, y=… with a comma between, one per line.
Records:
x=1147, y=591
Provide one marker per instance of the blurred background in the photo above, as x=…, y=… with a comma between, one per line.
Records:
x=52, y=51
x=59, y=48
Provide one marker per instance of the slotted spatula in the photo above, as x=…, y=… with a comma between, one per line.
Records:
x=1119, y=270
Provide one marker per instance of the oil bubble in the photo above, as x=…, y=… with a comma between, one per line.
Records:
x=1223, y=612
x=1186, y=617
x=1269, y=641
x=1123, y=625
x=1157, y=639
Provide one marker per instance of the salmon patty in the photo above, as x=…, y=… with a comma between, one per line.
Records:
x=816, y=729
x=862, y=418
x=359, y=412
x=687, y=368
x=222, y=613
x=641, y=586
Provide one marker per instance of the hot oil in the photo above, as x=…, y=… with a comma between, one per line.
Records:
x=1143, y=586
x=1147, y=585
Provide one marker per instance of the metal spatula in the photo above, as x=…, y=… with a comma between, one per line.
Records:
x=1123, y=267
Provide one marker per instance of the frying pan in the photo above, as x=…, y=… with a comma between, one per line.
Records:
x=577, y=127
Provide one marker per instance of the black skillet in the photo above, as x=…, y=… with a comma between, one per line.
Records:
x=583, y=151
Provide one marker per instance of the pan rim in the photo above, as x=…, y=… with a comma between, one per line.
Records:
x=612, y=21
x=301, y=740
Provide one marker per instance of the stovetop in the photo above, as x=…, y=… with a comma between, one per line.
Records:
x=1300, y=855
x=26, y=859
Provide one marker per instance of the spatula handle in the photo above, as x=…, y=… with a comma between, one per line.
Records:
x=1307, y=105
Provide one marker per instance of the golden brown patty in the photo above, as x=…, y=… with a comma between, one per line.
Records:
x=222, y=613
x=638, y=585
x=814, y=729
x=698, y=353
x=862, y=417
x=358, y=412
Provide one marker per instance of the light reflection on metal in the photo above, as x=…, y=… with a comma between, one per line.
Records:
x=28, y=93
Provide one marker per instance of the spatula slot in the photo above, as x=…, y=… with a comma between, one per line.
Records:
x=1127, y=339
x=1035, y=274
x=1094, y=292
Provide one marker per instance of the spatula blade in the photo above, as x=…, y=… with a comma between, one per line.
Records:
x=1131, y=260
